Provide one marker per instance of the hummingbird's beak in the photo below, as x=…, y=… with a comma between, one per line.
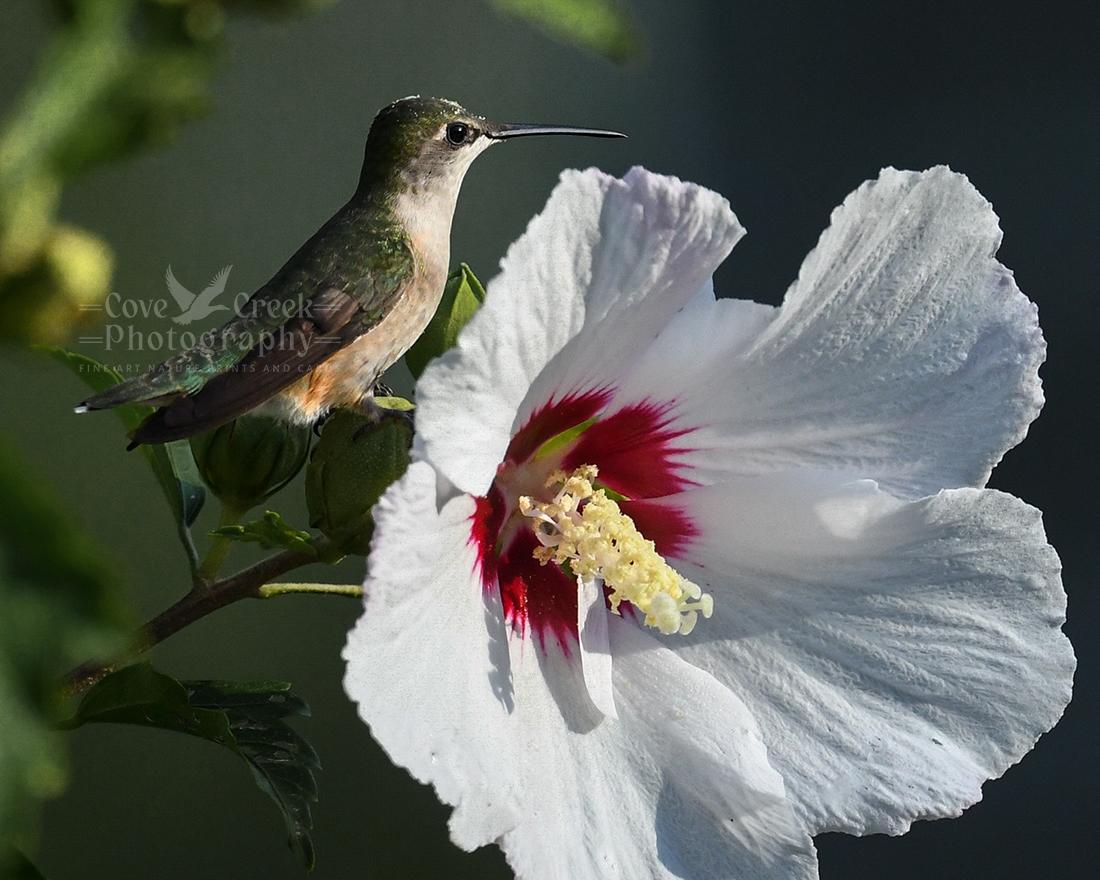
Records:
x=526, y=129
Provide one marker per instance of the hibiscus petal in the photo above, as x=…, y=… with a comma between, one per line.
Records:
x=595, y=650
x=428, y=655
x=904, y=352
x=591, y=283
x=895, y=654
x=679, y=787
x=718, y=779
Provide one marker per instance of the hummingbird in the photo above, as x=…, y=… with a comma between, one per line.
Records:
x=350, y=302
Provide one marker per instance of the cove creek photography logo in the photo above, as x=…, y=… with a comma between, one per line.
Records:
x=133, y=326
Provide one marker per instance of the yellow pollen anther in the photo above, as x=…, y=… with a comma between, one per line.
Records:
x=585, y=528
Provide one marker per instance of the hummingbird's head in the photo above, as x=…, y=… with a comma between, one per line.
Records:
x=426, y=145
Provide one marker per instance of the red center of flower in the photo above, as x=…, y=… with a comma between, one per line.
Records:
x=639, y=455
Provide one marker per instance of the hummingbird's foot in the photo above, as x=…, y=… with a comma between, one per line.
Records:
x=322, y=420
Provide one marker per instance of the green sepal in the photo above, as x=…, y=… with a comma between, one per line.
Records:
x=246, y=461
x=397, y=404
x=172, y=463
x=462, y=297
x=182, y=473
x=353, y=463
x=563, y=439
x=245, y=717
x=271, y=532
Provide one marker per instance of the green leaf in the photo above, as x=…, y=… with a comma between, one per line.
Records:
x=271, y=532
x=282, y=762
x=181, y=481
x=140, y=695
x=462, y=297
x=602, y=26
x=245, y=717
x=353, y=463
x=172, y=463
x=57, y=607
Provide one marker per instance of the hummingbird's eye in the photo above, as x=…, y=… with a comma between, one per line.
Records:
x=457, y=133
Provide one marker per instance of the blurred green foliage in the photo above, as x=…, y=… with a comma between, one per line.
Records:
x=602, y=26
x=119, y=76
x=58, y=606
x=22, y=869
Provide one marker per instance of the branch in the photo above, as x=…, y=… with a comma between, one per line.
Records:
x=201, y=601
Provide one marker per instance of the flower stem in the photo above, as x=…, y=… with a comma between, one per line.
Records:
x=268, y=591
x=204, y=599
x=219, y=548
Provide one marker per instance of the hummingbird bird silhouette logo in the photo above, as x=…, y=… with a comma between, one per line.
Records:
x=195, y=307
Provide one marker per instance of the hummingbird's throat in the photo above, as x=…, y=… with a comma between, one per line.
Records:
x=584, y=529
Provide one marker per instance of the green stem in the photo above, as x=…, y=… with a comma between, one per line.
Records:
x=268, y=591
x=188, y=542
x=220, y=546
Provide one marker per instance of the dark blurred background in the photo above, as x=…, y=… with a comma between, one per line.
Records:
x=782, y=107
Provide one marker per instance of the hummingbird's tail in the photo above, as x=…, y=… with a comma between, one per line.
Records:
x=183, y=374
x=177, y=420
x=151, y=389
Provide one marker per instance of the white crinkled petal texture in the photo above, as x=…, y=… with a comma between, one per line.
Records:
x=424, y=647
x=594, y=279
x=904, y=352
x=678, y=786
x=895, y=654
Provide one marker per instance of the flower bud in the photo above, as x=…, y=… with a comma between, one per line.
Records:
x=246, y=461
x=353, y=463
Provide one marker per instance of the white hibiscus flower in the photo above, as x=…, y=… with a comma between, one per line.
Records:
x=885, y=633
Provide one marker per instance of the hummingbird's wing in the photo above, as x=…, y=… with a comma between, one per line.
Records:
x=180, y=294
x=332, y=320
x=185, y=373
x=338, y=285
